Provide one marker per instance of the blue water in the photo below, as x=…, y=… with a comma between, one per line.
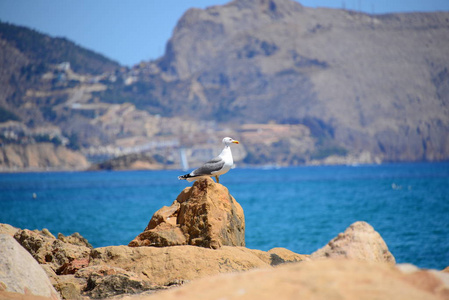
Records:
x=297, y=208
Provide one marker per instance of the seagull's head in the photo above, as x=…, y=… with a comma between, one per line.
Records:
x=228, y=141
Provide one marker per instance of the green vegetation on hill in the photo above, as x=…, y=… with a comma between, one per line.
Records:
x=42, y=48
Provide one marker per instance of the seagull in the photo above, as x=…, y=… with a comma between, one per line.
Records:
x=216, y=166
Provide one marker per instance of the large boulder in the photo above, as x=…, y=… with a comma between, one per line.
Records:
x=203, y=215
x=21, y=274
x=359, y=241
x=65, y=255
x=169, y=265
x=329, y=279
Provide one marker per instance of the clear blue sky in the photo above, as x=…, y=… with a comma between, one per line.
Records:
x=135, y=30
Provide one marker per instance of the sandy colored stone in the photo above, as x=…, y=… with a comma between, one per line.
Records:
x=358, y=241
x=164, y=266
x=112, y=285
x=203, y=215
x=70, y=287
x=62, y=257
x=74, y=239
x=8, y=229
x=20, y=273
x=101, y=271
x=329, y=279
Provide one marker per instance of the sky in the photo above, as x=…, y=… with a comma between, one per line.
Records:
x=137, y=30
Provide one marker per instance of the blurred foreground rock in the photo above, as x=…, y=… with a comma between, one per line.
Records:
x=203, y=215
x=21, y=277
x=324, y=279
x=359, y=241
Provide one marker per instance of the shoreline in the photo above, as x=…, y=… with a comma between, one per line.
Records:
x=250, y=167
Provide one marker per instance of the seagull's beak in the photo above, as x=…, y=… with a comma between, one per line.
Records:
x=235, y=142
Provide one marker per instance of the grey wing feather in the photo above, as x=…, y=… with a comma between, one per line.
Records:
x=208, y=168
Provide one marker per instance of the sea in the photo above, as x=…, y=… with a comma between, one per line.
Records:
x=298, y=208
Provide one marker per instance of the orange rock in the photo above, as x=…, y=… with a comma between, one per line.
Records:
x=203, y=215
x=164, y=265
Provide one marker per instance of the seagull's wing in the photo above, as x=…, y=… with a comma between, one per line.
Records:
x=209, y=168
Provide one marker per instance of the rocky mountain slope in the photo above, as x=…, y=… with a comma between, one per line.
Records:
x=296, y=85
x=378, y=83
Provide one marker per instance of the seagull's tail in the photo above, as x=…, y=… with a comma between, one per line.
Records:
x=184, y=177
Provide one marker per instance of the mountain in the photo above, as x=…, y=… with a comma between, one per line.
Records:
x=36, y=73
x=25, y=55
x=362, y=83
x=295, y=85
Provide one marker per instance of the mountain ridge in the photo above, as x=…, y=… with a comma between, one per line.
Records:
x=319, y=85
x=342, y=67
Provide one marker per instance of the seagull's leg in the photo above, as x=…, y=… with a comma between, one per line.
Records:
x=216, y=177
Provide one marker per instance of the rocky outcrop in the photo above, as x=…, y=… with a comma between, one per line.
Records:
x=40, y=156
x=77, y=270
x=63, y=257
x=359, y=241
x=277, y=60
x=325, y=279
x=21, y=274
x=204, y=215
x=168, y=265
x=354, y=265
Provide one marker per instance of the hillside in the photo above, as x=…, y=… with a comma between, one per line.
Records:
x=26, y=55
x=372, y=83
x=295, y=85
x=42, y=49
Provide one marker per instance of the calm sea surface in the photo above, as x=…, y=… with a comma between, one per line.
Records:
x=297, y=208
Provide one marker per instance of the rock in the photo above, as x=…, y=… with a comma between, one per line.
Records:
x=8, y=229
x=74, y=239
x=62, y=257
x=70, y=287
x=105, y=281
x=45, y=232
x=72, y=266
x=168, y=265
x=203, y=215
x=20, y=273
x=100, y=271
x=329, y=279
x=282, y=255
x=359, y=241
x=111, y=285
